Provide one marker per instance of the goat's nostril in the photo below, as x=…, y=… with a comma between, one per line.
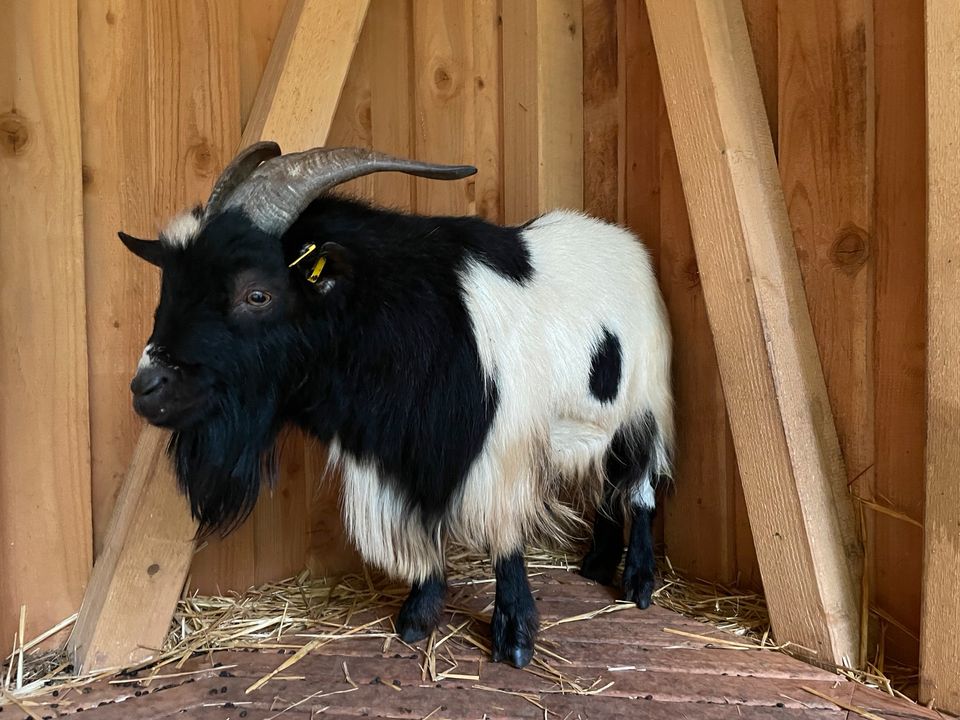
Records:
x=147, y=383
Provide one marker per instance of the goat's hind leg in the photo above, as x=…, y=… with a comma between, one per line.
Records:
x=606, y=550
x=421, y=611
x=640, y=566
x=515, y=620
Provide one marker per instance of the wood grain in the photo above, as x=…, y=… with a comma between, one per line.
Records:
x=138, y=576
x=601, y=109
x=826, y=169
x=899, y=332
x=259, y=24
x=316, y=40
x=443, y=101
x=542, y=107
x=940, y=626
x=789, y=459
x=45, y=524
x=174, y=146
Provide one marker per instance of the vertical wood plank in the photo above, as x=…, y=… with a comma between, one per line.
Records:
x=259, y=24
x=122, y=290
x=601, y=106
x=444, y=100
x=542, y=107
x=940, y=626
x=899, y=347
x=45, y=528
x=391, y=96
x=488, y=140
x=825, y=131
x=800, y=511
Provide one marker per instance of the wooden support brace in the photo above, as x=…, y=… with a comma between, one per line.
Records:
x=940, y=618
x=800, y=511
x=139, y=575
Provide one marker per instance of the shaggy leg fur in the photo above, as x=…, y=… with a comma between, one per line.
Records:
x=421, y=610
x=601, y=561
x=515, y=621
x=638, y=571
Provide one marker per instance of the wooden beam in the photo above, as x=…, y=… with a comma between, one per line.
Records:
x=940, y=623
x=45, y=527
x=303, y=79
x=542, y=107
x=136, y=582
x=138, y=576
x=800, y=512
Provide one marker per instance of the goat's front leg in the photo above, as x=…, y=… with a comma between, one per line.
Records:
x=515, y=620
x=421, y=611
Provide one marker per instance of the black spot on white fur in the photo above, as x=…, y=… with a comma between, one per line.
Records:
x=606, y=367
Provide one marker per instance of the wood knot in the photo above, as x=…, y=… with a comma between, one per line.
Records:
x=691, y=274
x=850, y=249
x=365, y=116
x=444, y=82
x=111, y=18
x=86, y=175
x=153, y=570
x=201, y=158
x=14, y=134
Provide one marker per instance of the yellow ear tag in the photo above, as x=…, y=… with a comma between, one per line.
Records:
x=306, y=251
x=317, y=269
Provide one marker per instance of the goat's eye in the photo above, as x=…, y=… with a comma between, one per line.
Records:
x=257, y=298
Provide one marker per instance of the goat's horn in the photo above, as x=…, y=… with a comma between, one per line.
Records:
x=236, y=172
x=275, y=194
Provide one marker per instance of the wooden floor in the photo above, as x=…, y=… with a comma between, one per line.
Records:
x=648, y=673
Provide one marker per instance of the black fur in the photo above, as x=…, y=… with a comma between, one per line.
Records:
x=380, y=354
x=627, y=461
x=515, y=620
x=640, y=565
x=605, y=368
x=421, y=610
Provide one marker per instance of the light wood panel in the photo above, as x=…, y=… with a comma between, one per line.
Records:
x=789, y=459
x=940, y=627
x=173, y=148
x=542, y=107
x=45, y=525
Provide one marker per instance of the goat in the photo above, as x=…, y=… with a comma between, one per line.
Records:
x=470, y=379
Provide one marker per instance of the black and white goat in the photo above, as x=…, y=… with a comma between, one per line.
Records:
x=468, y=377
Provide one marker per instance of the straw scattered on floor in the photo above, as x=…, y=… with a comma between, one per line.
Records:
x=300, y=615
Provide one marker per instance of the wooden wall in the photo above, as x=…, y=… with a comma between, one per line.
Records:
x=130, y=109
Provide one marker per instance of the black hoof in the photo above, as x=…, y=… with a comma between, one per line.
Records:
x=420, y=613
x=638, y=586
x=514, y=636
x=597, y=567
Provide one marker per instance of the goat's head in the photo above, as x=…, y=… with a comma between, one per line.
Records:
x=230, y=311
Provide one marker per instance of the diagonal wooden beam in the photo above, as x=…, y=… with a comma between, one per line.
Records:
x=940, y=619
x=800, y=511
x=139, y=575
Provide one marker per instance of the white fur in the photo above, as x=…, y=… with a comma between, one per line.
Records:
x=549, y=436
x=146, y=357
x=181, y=230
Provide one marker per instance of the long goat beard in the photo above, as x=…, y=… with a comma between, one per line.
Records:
x=222, y=462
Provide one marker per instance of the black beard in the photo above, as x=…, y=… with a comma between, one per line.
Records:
x=222, y=461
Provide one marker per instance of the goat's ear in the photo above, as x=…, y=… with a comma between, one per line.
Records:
x=339, y=260
x=150, y=250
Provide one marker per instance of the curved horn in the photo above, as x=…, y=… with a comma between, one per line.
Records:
x=236, y=172
x=279, y=190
